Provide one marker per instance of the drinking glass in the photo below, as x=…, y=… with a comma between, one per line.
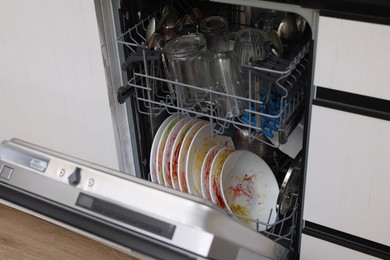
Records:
x=251, y=45
x=187, y=62
x=226, y=79
x=215, y=30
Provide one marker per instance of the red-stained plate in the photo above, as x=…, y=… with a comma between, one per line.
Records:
x=249, y=189
x=215, y=176
x=174, y=160
x=206, y=170
x=154, y=149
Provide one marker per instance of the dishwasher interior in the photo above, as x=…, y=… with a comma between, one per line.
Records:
x=260, y=101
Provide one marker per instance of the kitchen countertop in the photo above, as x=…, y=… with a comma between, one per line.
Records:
x=23, y=236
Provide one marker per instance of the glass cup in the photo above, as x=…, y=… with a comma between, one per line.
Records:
x=268, y=20
x=215, y=30
x=251, y=45
x=226, y=79
x=187, y=62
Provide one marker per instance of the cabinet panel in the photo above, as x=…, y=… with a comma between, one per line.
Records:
x=353, y=56
x=348, y=176
x=313, y=248
x=52, y=80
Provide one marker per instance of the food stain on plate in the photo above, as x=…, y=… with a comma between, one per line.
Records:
x=249, y=189
x=183, y=154
x=203, y=141
x=160, y=150
x=154, y=149
x=174, y=160
x=241, y=211
x=216, y=170
x=168, y=150
x=206, y=169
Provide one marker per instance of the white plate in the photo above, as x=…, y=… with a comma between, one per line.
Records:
x=215, y=176
x=250, y=188
x=160, y=149
x=183, y=154
x=174, y=160
x=206, y=170
x=200, y=145
x=153, y=151
x=168, y=150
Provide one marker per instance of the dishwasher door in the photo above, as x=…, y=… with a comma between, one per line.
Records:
x=127, y=211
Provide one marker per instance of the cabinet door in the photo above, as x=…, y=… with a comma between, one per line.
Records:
x=52, y=80
x=313, y=248
x=353, y=56
x=348, y=174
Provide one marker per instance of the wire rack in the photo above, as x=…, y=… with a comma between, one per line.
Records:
x=275, y=119
x=282, y=230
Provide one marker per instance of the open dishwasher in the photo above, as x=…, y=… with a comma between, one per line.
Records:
x=265, y=117
x=244, y=120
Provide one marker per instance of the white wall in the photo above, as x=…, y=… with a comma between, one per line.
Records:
x=53, y=89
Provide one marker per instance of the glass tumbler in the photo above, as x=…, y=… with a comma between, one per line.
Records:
x=251, y=45
x=226, y=79
x=187, y=62
x=215, y=30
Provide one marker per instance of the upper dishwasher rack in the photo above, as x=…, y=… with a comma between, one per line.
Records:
x=276, y=119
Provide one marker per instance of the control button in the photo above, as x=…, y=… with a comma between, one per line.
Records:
x=38, y=165
x=90, y=182
x=61, y=172
x=6, y=172
x=75, y=177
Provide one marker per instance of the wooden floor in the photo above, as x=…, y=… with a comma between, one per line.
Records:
x=23, y=236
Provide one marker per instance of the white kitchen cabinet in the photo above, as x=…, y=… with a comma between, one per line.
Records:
x=348, y=176
x=353, y=56
x=317, y=249
x=53, y=86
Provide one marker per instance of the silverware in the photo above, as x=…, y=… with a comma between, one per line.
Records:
x=258, y=41
x=277, y=46
x=185, y=25
x=150, y=29
x=287, y=28
x=301, y=23
x=168, y=19
x=155, y=42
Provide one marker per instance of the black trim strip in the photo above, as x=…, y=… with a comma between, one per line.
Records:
x=93, y=225
x=347, y=240
x=373, y=11
x=368, y=18
x=354, y=103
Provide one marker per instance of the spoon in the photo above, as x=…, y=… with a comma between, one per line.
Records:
x=276, y=46
x=287, y=28
x=168, y=18
x=185, y=25
x=301, y=23
x=150, y=29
